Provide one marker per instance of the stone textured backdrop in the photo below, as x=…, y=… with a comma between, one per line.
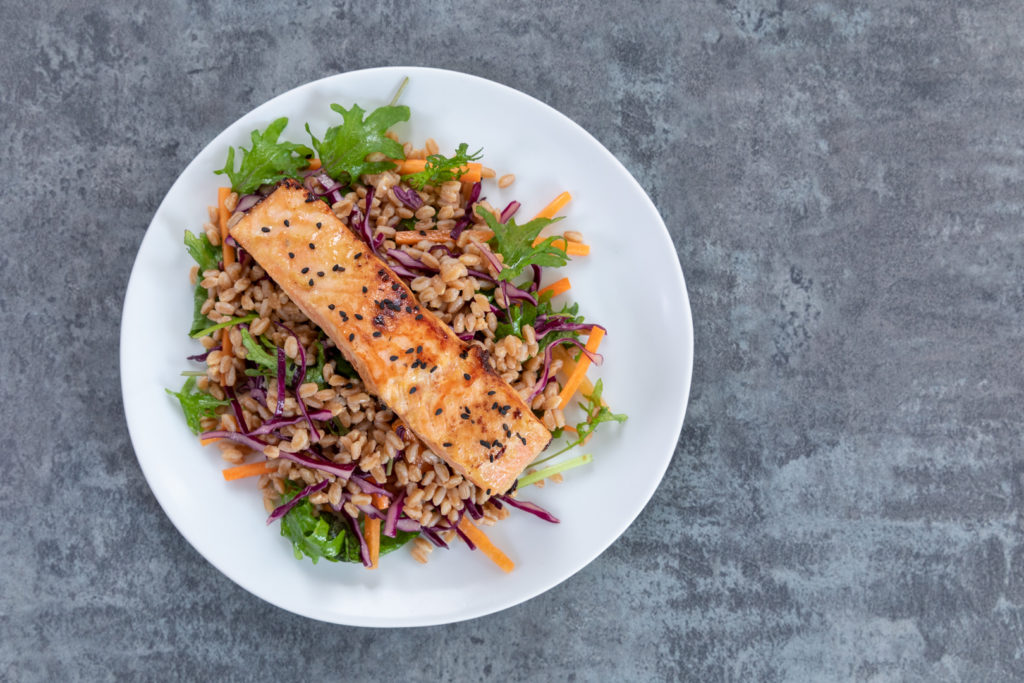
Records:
x=843, y=184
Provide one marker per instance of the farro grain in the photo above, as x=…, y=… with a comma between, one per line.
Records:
x=506, y=180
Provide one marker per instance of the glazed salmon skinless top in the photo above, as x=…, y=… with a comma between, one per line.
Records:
x=443, y=389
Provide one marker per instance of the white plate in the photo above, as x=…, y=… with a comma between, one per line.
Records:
x=631, y=283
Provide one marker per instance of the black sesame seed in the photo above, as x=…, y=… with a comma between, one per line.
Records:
x=394, y=358
x=485, y=444
x=395, y=286
x=403, y=295
x=291, y=255
x=408, y=309
x=364, y=289
x=286, y=223
x=491, y=392
x=319, y=224
x=413, y=390
x=490, y=457
x=487, y=492
x=433, y=368
x=494, y=406
x=465, y=352
x=312, y=246
x=495, y=443
x=438, y=411
x=359, y=316
x=305, y=270
x=330, y=306
x=447, y=444
x=388, y=303
x=351, y=337
x=410, y=350
x=311, y=282
x=336, y=268
x=358, y=255
x=419, y=349
x=265, y=229
x=419, y=316
x=320, y=273
x=377, y=333
x=466, y=376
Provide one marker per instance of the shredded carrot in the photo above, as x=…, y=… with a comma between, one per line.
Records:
x=222, y=218
x=556, y=288
x=207, y=442
x=380, y=501
x=314, y=164
x=253, y=469
x=555, y=206
x=570, y=428
x=577, y=376
x=571, y=248
x=373, y=540
x=472, y=174
x=568, y=366
x=481, y=541
x=414, y=236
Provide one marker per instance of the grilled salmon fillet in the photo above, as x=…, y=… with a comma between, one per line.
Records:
x=443, y=389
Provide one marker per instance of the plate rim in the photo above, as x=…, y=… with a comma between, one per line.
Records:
x=586, y=558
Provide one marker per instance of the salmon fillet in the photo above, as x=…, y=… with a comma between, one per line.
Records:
x=443, y=389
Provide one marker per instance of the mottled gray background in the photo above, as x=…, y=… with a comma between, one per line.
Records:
x=843, y=183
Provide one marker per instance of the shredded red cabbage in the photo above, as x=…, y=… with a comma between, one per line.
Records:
x=281, y=372
x=314, y=434
x=532, y=508
x=316, y=463
x=460, y=225
x=238, y=437
x=271, y=426
x=464, y=537
x=433, y=537
x=595, y=358
x=364, y=550
x=370, y=511
x=369, y=487
x=247, y=201
x=473, y=509
x=408, y=261
x=509, y=211
x=408, y=525
x=200, y=357
x=535, y=285
x=409, y=197
x=236, y=408
x=281, y=510
x=391, y=521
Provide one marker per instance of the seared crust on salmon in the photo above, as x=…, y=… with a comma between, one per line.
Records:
x=443, y=389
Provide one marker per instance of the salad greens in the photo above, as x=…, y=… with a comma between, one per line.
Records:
x=595, y=413
x=344, y=149
x=317, y=537
x=523, y=313
x=268, y=162
x=440, y=168
x=196, y=404
x=208, y=258
x=515, y=243
x=264, y=355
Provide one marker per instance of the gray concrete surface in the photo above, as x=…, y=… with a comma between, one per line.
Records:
x=843, y=182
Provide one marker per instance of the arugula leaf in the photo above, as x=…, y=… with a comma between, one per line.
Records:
x=440, y=168
x=268, y=161
x=515, y=243
x=207, y=256
x=596, y=413
x=195, y=404
x=344, y=149
x=328, y=536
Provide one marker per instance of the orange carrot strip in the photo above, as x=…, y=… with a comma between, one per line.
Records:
x=207, y=442
x=222, y=218
x=373, y=540
x=481, y=541
x=472, y=174
x=380, y=501
x=571, y=248
x=555, y=206
x=414, y=236
x=253, y=469
x=314, y=164
x=568, y=365
x=556, y=288
x=573, y=383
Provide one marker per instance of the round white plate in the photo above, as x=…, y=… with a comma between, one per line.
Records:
x=631, y=283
